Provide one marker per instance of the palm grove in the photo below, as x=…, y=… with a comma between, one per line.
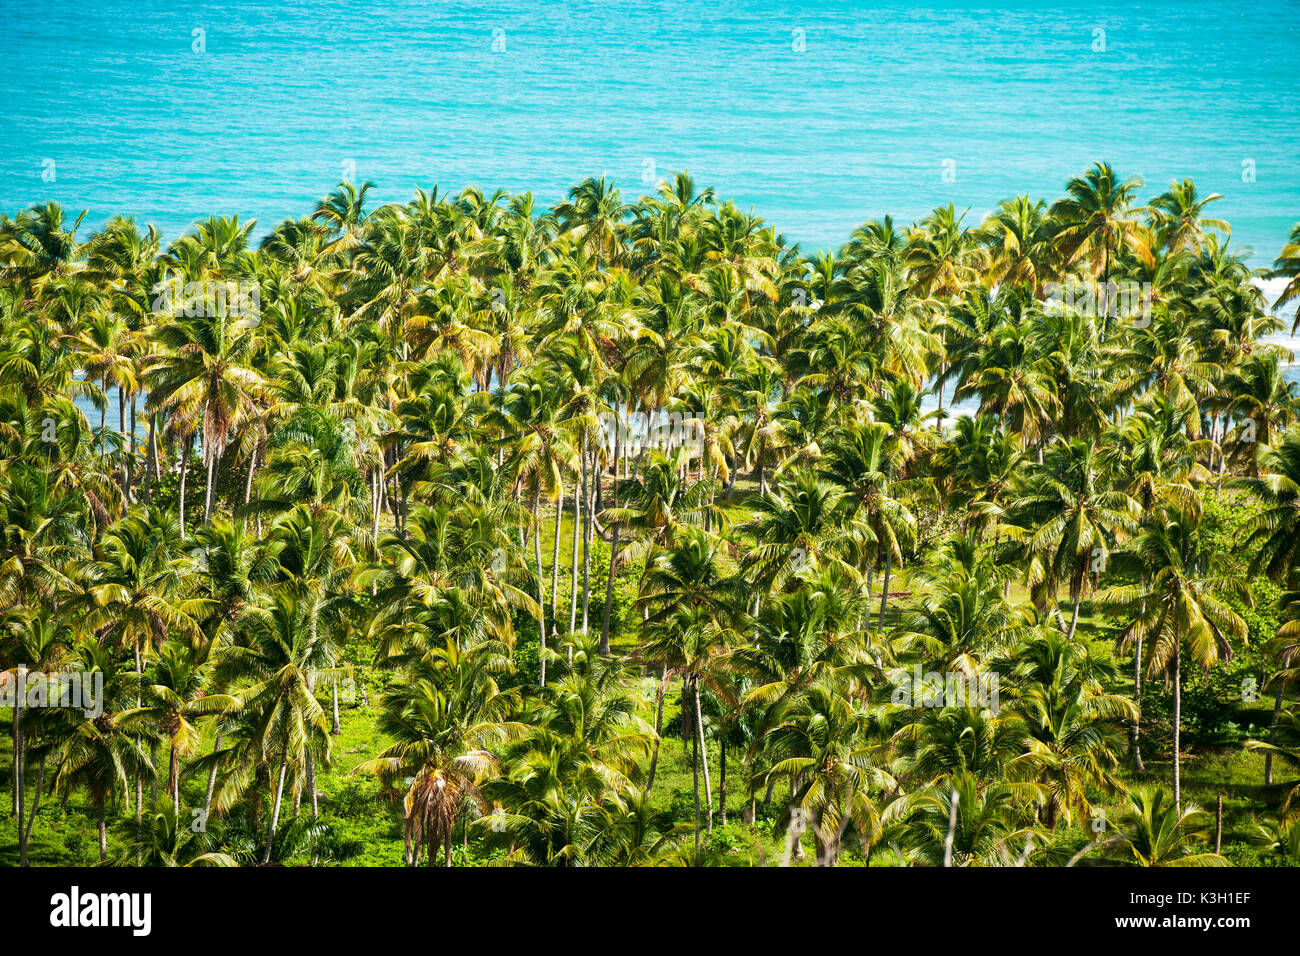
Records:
x=245, y=486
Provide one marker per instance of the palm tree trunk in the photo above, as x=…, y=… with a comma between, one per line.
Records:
x=659, y=725
x=1137, y=702
x=609, y=596
x=173, y=781
x=1272, y=733
x=335, y=729
x=541, y=575
x=555, y=560
x=1074, y=616
x=207, y=496
x=704, y=753
x=153, y=444
x=1178, y=720
x=103, y=832
x=212, y=779
x=124, y=451
x=586, y=534
x=248, y=482
x=19, y=795
x=151, y=455
x=186, y=446
x=722, y=781
x=310, y=771
x=695, y=770
x=884, y=598
x=139, y=776
x=31, y=814
x=573, y=559
x=153, y=783
x=275, y=807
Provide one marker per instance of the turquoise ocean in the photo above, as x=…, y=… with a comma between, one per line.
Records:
x=818, y=115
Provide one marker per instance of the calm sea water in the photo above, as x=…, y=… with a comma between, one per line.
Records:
x=819, y=116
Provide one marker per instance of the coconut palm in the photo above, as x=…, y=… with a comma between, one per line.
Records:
x=1178, y=605
x=1155, y=831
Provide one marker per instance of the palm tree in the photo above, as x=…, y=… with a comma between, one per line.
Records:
x=203, y=374
x=163, y=839
x=959, y=823
x=1177, y=214
x=1096, y=224
x=281, y=649
x=96, y=754
x=1071, y=725
x=175, y=690
x=447, y=717
x=1177, y=604
x=861, y=460
x=823, y=745
x=1068, y=516
x=690, y=593
x=1276, y=530
x=1287, y=266
x=1157, y=832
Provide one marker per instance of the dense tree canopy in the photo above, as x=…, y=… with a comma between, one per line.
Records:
x=630, y=514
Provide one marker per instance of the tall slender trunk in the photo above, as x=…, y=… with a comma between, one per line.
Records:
x=1272, y=732
x=1136, y=735
x=207, y=496
x=310, y=772
x=659, y=726
x=555, y=561
x=573, y=560
x=1218, y=823
x=124, y=451
x=151, y=456
x=31, y=814
x=248, y=482
x=335, y=729
x=587, y=526
x=884, y=598
x=212, y=779
x=173, y=781
x=20, y=797
x=704, y=753
x=722, y=780
x=541, y=576
x=1178, y=720
x=139, y=776
x=153, y=441
x=695, y=772
x=153, y=782
x=103, y=831
x=275, y=807
x=187, y=445
x=609, y=596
